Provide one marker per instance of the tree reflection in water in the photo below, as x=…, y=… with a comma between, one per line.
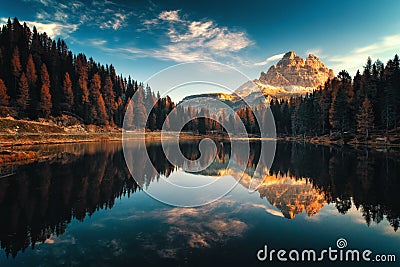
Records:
x=42, y=198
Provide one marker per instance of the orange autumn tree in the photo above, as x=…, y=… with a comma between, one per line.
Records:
x=16, y=72
x=45, y=104
x=68, y=95
x=23, y=93
x=97, y=112
x=109, y=98
x=4, y=98
x=31, y=71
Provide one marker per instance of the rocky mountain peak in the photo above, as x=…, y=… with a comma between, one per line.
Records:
x=289, y=59
x=292, y=70
x=289, y=55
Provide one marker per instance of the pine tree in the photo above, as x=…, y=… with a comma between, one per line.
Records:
x=101, y=111
x=139, y=110
x=1, y=63
x=45, y=104
x=149, y=99
x=68, y=95
x=81, y=91
x=357, y=88
x=396, y=85
x=325, y=104
x=16, y=63
x=97, y=112
x=23, y=93
x=338, y=111
x=16, y=72
x=129, y=116
x=82, y=71
x=109, y=97
x=350, y=110
x=4, y=98
x=152, y=121
x=202, y=125
x=31, y=71
x=365, y=118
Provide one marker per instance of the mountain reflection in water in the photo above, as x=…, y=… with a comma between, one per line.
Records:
x=41, y=199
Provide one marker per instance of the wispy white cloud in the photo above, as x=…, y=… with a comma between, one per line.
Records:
x=103, y=14
x=169, y=15
x=42, y=15
x=77, y=4
x=60, y=16
x=150, y=22
x=43, y=2
x=98, y=42
x=356, y=58
x=180, y=53
x=188, y=40
x=115, y=22
x=270, y=59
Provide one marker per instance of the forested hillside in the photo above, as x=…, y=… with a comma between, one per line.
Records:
x=41, y=77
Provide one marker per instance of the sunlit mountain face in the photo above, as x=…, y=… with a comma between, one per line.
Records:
x=292, y=196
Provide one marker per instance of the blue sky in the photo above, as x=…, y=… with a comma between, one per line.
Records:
x=142, y=37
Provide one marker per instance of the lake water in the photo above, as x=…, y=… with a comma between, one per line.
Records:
x=81, y=207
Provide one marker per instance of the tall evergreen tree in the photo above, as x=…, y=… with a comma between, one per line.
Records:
x=129, y=115
x=31, y=71
x=325, y=104
x=4, y=98
x=365, y=118
x=139, y=109
x=357, y=89
x=149, y=98
x=338, y=111
x=109, y=98
x=82, y=92
x=68, y=95
x=97, y=111
x=16, y=63
x=396, y=87
x=45, y=103
x=23, y=94
x=16, y=72
x=102, y=118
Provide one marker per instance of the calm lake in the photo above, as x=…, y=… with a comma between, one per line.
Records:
x=81, y=207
